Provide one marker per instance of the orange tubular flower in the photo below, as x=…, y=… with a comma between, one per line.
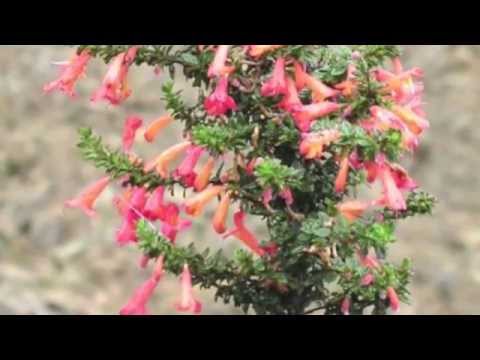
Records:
x=203, y=177
x=194, y=206
x=163, y=160
x=414, y=122
x=320, y=91
x=244, y=235
x=341, y=180
x=86, y=200
x=312, y=145
x=156, y=126
x=257, y=51
x=221, y=214
x=352, y=210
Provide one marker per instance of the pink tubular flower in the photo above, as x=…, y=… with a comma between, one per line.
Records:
x=194, y=205
x=69, y=74
x=306, y=114
x=402, y=179
x=139, y=300
x=342, y=177
x=244, y=235
x=156, y=127
x=368, y=261
x=277, y=84
x=127, y=233
x=345, y=306
x=132, y=124
x=171, y=222
x=352, y=210
x=291, y=101
x=154, y=207
x=218, y=67
x=219, y=102
x=286, y=194
x=86, y=200
x=267, y=197
x=187, y=302
x=115, y=88
x=393, y=197
x=367, y=279
x=185, y=170
x=393, y=299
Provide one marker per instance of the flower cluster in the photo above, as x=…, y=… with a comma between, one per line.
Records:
x=287, y=133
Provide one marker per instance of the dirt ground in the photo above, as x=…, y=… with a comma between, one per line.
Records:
x=54, y=261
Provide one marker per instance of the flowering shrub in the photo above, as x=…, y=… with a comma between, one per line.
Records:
x=285, y=133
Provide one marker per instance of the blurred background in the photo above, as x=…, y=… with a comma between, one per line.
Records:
x=56, y=261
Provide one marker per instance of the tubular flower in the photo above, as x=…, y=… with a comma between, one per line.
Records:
x=267, y=197
x=218, y=66
x=306, y=114
x=414, y=122
x=187, y=302
x=139, y=300
x=352, y=210
x=244, y=235
x=320, y=91
x=162, y=162
x=114, y=88
x=393, y=197
x=313, y=145
x=219, y=102
x=127, y=232
x=155, y=207
x=194, y=206
x=121, y=202
x=368, y=261
x=185, y=170
x=402, y=179
x=171, y=222
x=220, y=217
x=393, y=299
x=156, y=127
x=277, y=84
x=349, y=86
x=287, y=196
x=291, y=101
x=132, y=124
x=342, y=177
x=257, y=51
x=87, y=198
x=345, y=306
x=203, y=177
x=367, y=279
x=70, y=73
